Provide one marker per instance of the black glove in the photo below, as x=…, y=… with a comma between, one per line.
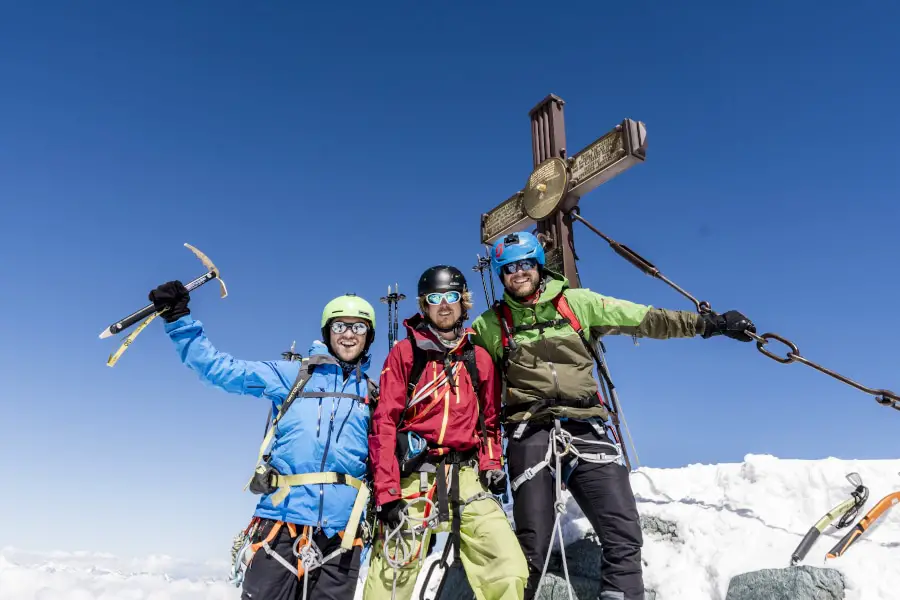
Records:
x=391, y=513
x=173, y=295
x=731, y=324
x=494, y=480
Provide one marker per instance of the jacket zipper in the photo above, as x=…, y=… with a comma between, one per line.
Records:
x=322, y=466
x=555, y=378
x=549, y=363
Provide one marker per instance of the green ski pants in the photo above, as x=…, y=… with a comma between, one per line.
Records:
x=489, y=551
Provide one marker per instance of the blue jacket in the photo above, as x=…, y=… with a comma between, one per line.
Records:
x=315, y=435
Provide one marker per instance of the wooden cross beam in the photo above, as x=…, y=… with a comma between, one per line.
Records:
x=558, y=182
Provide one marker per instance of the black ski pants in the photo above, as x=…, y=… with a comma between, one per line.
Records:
x=268, y=579
x=602, y=491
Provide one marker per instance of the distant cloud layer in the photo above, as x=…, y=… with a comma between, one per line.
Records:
x=88, y=576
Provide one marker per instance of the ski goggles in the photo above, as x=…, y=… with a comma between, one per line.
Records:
x=526, y=264
x=434, y=298
x=359, y=328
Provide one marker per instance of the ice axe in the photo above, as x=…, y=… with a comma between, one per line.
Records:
x=149, y=312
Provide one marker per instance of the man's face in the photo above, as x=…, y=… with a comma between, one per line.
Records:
x=524, y=280
x=445, y=314
x=347, y=345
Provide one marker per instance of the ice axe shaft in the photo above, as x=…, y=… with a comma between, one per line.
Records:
x=148, y=310
x=213, y=273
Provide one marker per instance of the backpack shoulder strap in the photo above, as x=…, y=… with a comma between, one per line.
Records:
x=562, y=307
x=303, y=376
x=420, y=359
x=471, y=364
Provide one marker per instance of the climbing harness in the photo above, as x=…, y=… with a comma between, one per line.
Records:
x=562, y=444
x=845, y=512
x=882, y=396
x=854, y=534
x=308, y=554
x=266, y=480
x=568, y=317
x=392, y=300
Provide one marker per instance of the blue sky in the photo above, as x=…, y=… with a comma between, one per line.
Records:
x=315, y=151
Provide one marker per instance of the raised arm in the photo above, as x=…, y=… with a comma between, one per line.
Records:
x=272, y=379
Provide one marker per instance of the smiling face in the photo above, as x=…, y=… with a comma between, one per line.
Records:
x=444, y=315
x=347, y=345
x=524, y=281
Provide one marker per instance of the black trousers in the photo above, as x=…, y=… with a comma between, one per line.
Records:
x=602, y=491
x=267, y=579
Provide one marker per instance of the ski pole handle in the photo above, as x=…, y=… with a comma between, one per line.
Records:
x=148, y=310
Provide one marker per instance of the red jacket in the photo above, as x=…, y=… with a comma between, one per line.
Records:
x=447, y=420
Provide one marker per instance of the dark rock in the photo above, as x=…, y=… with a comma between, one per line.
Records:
x=656, y=526
x=792, y=583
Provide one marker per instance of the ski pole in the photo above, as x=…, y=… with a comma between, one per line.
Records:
x=150, y=312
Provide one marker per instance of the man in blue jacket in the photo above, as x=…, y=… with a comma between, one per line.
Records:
x=303, y=540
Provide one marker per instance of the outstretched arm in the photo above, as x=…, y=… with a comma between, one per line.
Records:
x=605, y=315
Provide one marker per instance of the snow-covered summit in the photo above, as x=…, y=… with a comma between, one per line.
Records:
x=728, y=518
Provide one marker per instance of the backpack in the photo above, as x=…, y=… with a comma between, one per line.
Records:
x=567, y=317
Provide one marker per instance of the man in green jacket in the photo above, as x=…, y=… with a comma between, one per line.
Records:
x=552, y=402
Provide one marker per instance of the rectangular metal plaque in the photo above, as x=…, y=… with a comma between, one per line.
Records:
x=508, y=216
x=615, y=152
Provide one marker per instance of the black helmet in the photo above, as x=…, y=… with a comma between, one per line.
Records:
x=442, y=278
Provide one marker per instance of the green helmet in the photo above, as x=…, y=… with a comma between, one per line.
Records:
x=348, y=305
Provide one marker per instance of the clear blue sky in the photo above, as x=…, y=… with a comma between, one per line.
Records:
x=311, y=151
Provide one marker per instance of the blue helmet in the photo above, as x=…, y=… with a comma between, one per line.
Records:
x=513, y=247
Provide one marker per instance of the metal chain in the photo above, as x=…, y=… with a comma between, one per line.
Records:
x=882, y=396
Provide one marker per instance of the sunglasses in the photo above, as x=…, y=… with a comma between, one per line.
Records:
x=359, y=328
x=435, y=298
x=526, y=264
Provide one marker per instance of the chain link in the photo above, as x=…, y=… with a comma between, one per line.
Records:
x=883, y=397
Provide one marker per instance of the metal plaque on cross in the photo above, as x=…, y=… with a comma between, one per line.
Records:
x=557, y=182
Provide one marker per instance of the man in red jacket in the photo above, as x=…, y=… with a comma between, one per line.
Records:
x=436, y=453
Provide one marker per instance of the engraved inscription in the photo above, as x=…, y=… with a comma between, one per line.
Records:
x=503, y=217
x=599, y=155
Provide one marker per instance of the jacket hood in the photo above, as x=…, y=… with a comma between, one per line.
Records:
x=553, y=284
x=418, y=331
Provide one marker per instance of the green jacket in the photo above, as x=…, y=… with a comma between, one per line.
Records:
x=550, y=373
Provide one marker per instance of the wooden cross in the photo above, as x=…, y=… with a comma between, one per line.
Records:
x=558, y=182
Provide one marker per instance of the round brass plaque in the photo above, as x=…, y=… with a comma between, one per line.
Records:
x=546, y=188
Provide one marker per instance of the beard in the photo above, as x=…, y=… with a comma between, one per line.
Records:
x=445, y=321
x=521, y=287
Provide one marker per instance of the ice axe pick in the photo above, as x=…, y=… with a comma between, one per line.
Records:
x=149, y=312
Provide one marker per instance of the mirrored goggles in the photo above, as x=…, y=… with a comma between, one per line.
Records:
x=359, y=328
x=434, y=298
x=526, y=264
